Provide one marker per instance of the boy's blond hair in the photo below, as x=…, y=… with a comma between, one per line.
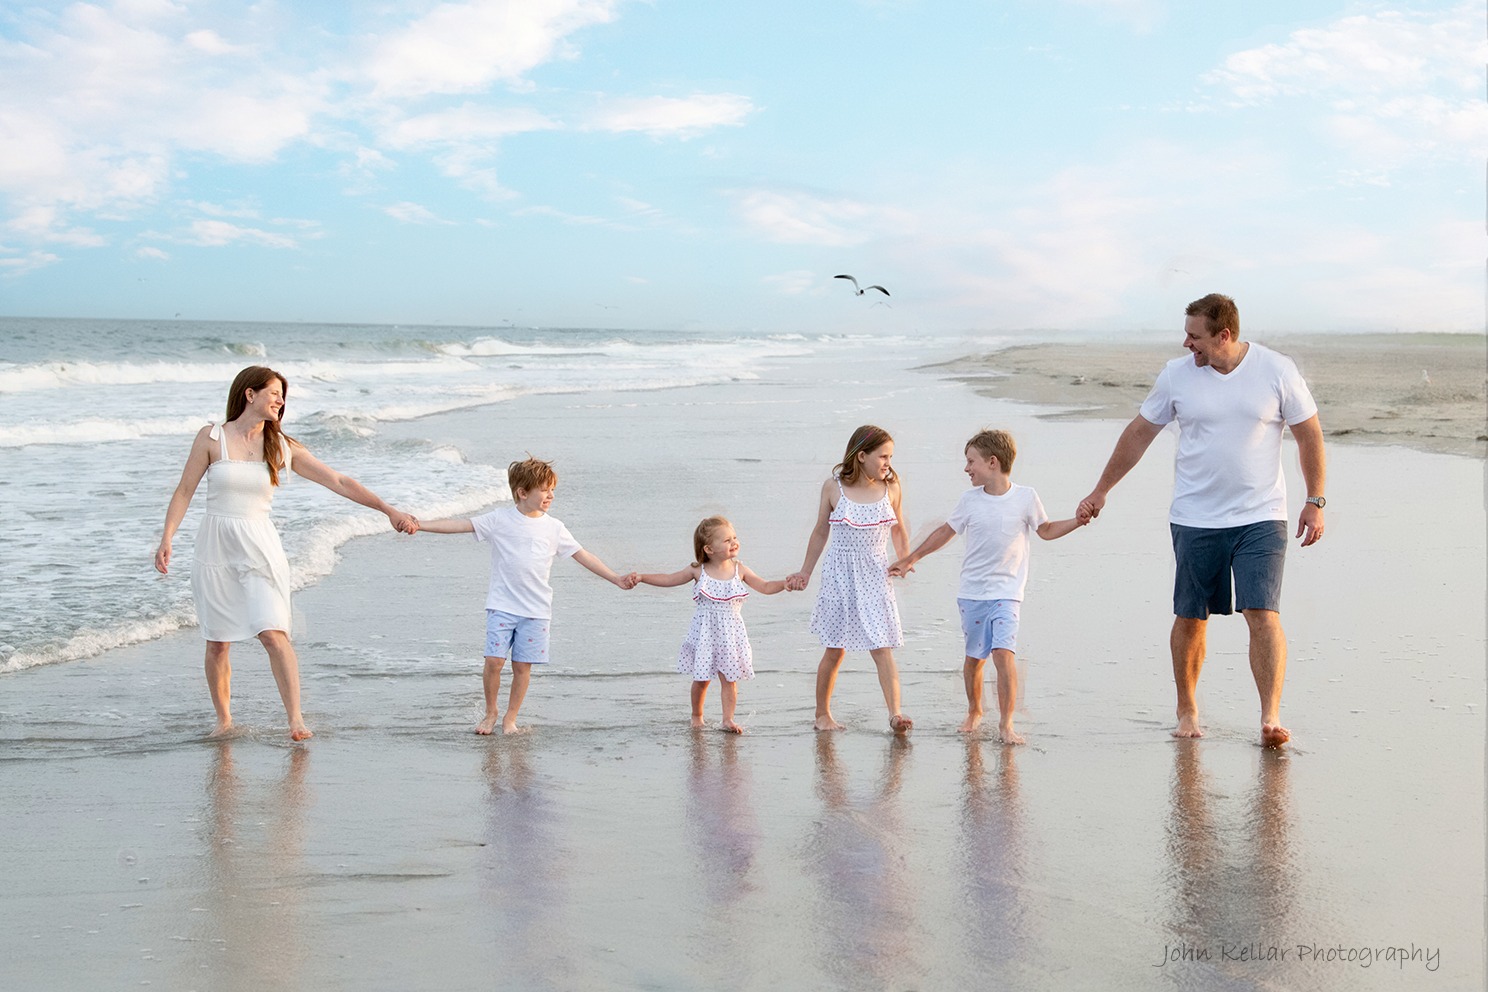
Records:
x=530, y=474
x=995, y=444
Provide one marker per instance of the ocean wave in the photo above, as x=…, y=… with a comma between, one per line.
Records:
x=63, y=375
x=95, y=430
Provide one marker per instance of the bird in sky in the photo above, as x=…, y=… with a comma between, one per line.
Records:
x=860, y=292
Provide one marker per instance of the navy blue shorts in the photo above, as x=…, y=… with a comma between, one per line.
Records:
x=1207, y=557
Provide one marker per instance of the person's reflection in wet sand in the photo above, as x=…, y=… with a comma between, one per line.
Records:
x=523, y=876
x=993, y=861
x=866, y=922
x=252, y=923
x=1232, y=874
x=725, y=838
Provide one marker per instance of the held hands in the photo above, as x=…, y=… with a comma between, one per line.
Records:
x=1090, y=508
x=629, y=580
x=796, y=581
x=901, y=568
x=404, y=523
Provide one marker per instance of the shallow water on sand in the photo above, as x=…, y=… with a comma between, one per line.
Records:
x=611, y=847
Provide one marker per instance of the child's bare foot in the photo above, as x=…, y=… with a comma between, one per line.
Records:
x=1009, y=735
x=827, y=723
x=900, y=724
x=730, y=727
x=512, y=728
x=1274, y=735
x=299, y=732
x=698, y=723
x=488, y=725
x=1188, y=726
x=223, y=728
x=971, y=723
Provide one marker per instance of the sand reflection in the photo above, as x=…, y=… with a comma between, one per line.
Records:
x=1230, y=868
x=993, y=856
x=252, y=906
x=523, y=877
x=865, y=924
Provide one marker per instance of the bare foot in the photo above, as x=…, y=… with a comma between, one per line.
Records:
x=1188, y=726
x=827, y=723
x=512, y=728
x=729, y=726
x=1274, y=735
x=488, y=725
x=300, y=732
x=971, y=723
x=1009, y=735
x=901, y=724
x=223, y=728
x=698, y=723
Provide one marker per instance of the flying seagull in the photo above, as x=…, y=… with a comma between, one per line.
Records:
x=860, y=292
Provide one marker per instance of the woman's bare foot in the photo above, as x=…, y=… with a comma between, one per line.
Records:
x=971, y=723
x=1274, y=735
x=1009, y=735
x=1188, y=726
x=827, y=723
x=223, y=728
x=900, y=724
x=488, y=725
x=299, y=732
x=730, y=727
x=698, y=723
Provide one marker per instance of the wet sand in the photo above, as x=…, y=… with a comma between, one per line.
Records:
x=611, y=847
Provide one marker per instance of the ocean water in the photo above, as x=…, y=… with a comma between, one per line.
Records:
x=97, y=416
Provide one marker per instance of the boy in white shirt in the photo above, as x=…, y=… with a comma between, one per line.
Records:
x=996, y=517
x=519, y=604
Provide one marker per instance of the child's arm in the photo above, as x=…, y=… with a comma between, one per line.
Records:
x=452, y=525
x=667, y=579
x=900, y=534
x=937, y=539
x=604, y=571
x=766, y=587
x=818, y=540
x=1052, y=530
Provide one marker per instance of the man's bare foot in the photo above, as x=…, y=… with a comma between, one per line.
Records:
x=488, y=725
x=512, y=728
x=729, y=726
x=1274, y=735
x=971, y=723
x=1188, y=726
x=1009, y=735
x=300, y=732
x=698, y=723
x=223, y=728
x=900, y=724
x=827, y=723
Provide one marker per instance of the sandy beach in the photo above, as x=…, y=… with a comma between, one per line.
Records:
x=612, y=848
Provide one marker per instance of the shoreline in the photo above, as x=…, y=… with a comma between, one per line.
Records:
x=1425, y=392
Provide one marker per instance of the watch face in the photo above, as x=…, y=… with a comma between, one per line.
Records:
x=1317, y=501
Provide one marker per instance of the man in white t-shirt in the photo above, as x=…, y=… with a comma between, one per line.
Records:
x=1229, y=511
x=995, y=516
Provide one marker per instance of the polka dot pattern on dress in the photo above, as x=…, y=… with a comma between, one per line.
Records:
x=855, y=608
x=717, y=643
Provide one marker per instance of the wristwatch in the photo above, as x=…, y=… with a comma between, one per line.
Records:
x=1317, y=501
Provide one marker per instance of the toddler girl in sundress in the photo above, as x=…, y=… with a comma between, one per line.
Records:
x=716, y=643
x=858, y=512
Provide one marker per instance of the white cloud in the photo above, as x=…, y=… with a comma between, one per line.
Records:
x=799, y=217
x=466, y=47
x=796, y=282
x=219, y=233
x=468, y=126
x=413, y=213
x=28, y=262
x=660, y=115
x=151, y=252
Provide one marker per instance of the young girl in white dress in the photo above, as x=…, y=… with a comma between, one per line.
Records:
x=716, y=643
x=239, y=575
x=858, y=513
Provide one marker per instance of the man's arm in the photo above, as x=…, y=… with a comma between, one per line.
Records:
x=1309, y=437
x=1130, y=447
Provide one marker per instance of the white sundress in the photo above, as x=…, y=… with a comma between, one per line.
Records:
x=855, y=608
x=239, y=574
x=717, y=643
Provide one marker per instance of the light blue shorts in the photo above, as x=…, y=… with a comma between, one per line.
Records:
x=989, y=625
x=523, y=639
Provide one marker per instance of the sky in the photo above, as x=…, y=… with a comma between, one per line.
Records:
x=1081, y=165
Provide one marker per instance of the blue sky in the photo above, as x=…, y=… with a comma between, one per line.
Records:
x=1060, y=164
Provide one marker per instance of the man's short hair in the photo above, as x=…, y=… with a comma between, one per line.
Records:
x=995, y=444
x=530, y=474
x=1218, y=311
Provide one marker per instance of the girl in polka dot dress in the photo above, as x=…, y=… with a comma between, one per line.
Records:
x=859, y=512
x=716, y=643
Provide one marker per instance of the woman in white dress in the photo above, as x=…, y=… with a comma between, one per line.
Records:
x=860, y=511
x=239, y=575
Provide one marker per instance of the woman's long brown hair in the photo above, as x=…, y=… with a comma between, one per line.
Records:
x=256, y=377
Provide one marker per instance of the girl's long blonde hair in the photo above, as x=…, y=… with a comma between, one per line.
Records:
x=703, y=535
x=256, y=377
x=864, y=440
